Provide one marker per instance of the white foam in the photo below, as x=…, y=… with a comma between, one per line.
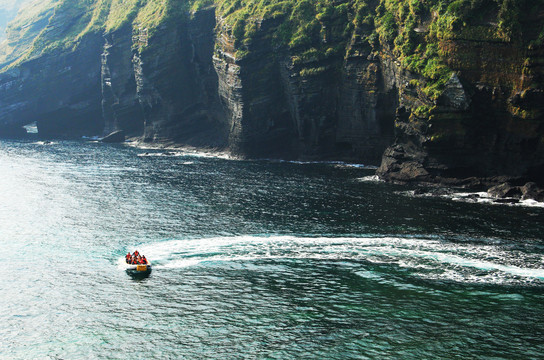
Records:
x=45, y=143
x=93, y=138
x=371, y=178
x=484, y=198
x=186, y=151
x=121, y=263
x=428, y=258
x=161, y=154
x=336, y=163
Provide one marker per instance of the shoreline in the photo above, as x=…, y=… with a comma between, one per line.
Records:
x=497, y=190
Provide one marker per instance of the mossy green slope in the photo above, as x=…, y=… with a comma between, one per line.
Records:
x=415, y=32
x=44, y=27
x=24, y=29
x=412, y=30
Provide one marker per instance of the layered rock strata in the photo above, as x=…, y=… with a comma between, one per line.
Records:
x=59, y=92
x=351, y=92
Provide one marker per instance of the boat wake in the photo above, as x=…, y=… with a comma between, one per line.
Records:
x=487, y=263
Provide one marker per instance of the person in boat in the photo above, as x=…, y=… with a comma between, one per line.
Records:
x=136, y=258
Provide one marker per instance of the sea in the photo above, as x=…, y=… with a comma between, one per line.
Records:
x=261, y=259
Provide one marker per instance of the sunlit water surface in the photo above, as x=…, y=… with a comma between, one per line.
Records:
x=254, y=259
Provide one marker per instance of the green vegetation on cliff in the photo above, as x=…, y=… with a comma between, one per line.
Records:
x=414, y=32
x=23, y=30
x=323, y=25
x=418, y=32
x=47, y=26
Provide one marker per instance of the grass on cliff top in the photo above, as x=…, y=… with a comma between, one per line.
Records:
x=29, y=14
x=149, y=14
x=416, y=30
x=301, y=19
x=317, y=29
x=312, y=30
x=23, y=30
x=71, y=20
x=201, y=4
x=322, y=26
x=121, y=12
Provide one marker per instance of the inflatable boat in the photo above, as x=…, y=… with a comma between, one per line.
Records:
x=138, y=270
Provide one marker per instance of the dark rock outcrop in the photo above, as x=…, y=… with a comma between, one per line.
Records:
x=58, y=91
x=115, y=137
x=487, y=123
x=531, y=191
x=505, y=190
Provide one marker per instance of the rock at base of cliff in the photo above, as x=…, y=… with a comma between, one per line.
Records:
x=531, y=191
x=115, y=137
x=504, y=190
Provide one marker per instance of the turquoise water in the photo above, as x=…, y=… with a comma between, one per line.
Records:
x=255, y=260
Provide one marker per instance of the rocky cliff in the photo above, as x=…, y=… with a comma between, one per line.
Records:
x=486, y=125
x=180, y=80
x=163, y=87
x=443, y=91
x=324, y=102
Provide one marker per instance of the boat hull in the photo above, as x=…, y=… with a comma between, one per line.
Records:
x=138, y=271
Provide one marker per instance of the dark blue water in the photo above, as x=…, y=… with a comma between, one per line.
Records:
x=255, y=259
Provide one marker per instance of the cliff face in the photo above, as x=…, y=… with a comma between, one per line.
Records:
x=120, y=106
x=487, y=125
x=177, y=87
x=445, y=92
x=181, y=82
x=58, y=89
x=60, y=92
x=253, y=95
x=332, y=108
